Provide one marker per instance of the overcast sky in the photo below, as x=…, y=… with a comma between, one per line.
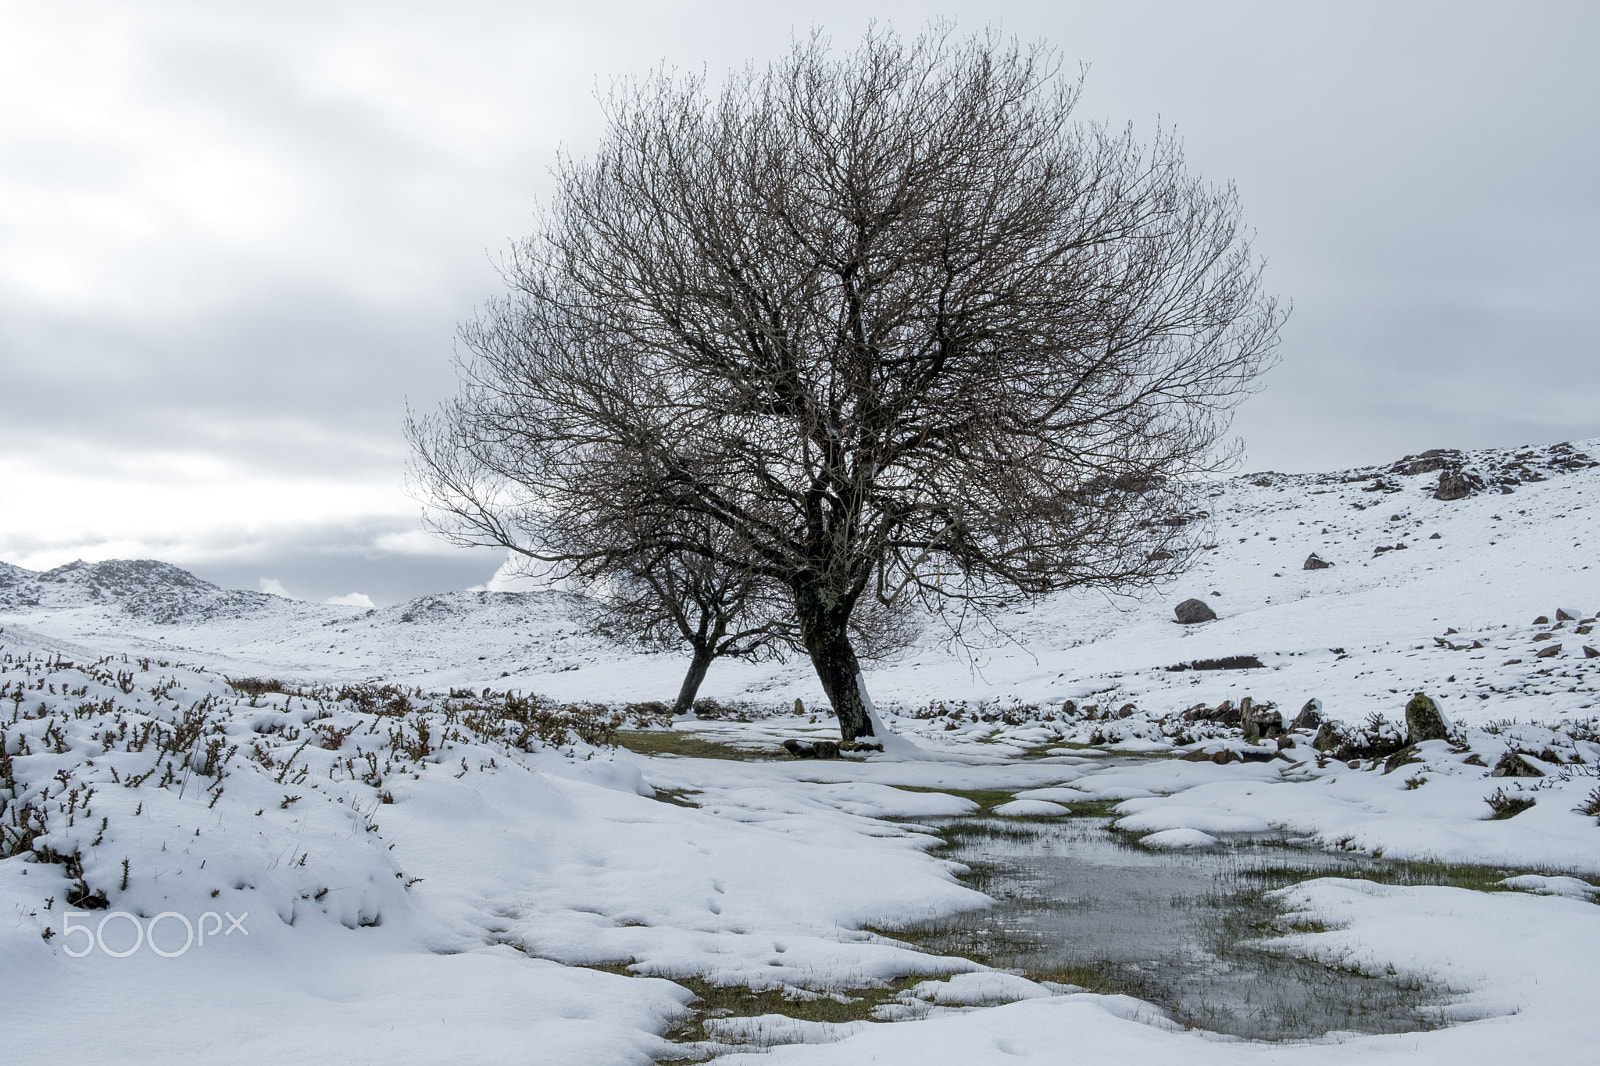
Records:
x=235, y=239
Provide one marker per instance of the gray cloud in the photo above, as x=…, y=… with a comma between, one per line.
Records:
x=234, y=242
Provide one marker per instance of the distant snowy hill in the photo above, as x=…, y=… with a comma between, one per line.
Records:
x=143, y=588
x=1482, y=542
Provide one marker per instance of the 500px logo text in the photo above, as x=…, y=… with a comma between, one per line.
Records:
x=144, y=933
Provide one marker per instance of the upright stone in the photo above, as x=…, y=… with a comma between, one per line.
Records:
x=1424, y=721
x=1310, y=716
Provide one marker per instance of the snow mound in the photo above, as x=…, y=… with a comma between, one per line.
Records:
x=1032, y=807
x=1176, y=839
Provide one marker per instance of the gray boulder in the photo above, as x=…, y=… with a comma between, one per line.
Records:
x=821, y=749
x=1424, y=721
x=1310, y=716
x=1267, y=721
x=1315, y=562
x=1404, y=757
x=1327, y=737
x=1191, y=611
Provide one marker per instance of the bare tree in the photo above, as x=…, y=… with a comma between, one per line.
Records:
x=890, y=321
x=665, y=599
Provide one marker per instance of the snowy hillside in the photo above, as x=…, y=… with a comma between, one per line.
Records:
x=1406, y=568
x=272, y=830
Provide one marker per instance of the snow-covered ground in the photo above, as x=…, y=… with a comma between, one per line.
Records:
x=427, y=872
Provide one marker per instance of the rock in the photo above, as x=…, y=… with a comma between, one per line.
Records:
x=1549, y=652
x=1434, y=537
x=1512, y=764
x=1404, y=757
x=1424, y=721
x=1327, y=737
x=1474, y=760
x=1225, y=756
x=1247, y=720
x=1126, y=710
x=799, y=707
x=1310, y=716
x=1191, y=611
x=1537, y=637
x=828, y=749
x=1590, y=653
x=1427, y=462
x=1160, y=556
x=1542, y=620
x=1069, y=708
x=1564, y=615
x=1456, y=485
x=800, y=749
x=1315, y=562
x=1262, y=722
x=1285, y=741
x=1196, y=756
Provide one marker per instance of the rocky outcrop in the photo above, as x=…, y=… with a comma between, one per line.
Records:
x=1457, y=485
x=1259, y=723
x=816, y=749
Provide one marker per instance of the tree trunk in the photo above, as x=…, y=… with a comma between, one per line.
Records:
x=691, y=681
x=822, y=630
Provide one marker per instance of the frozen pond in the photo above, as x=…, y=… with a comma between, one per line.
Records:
x=1081, y=904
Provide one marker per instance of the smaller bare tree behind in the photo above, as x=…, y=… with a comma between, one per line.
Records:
x=665, y=600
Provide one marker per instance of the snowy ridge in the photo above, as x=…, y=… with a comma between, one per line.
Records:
x=141, y=588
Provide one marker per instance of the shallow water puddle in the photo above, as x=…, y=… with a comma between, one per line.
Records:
x=1080, y=904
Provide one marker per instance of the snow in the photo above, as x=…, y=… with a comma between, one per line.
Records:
x=424, y=876
x=1032, y=807
x=1176, y=839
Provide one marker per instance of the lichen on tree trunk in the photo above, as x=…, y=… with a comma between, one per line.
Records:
x=824, y=618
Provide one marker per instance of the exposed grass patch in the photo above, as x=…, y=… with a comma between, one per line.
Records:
x=673, y=742
x=678, y=797
x=1407, y=874
x=986, y=798
x=835, y=1006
